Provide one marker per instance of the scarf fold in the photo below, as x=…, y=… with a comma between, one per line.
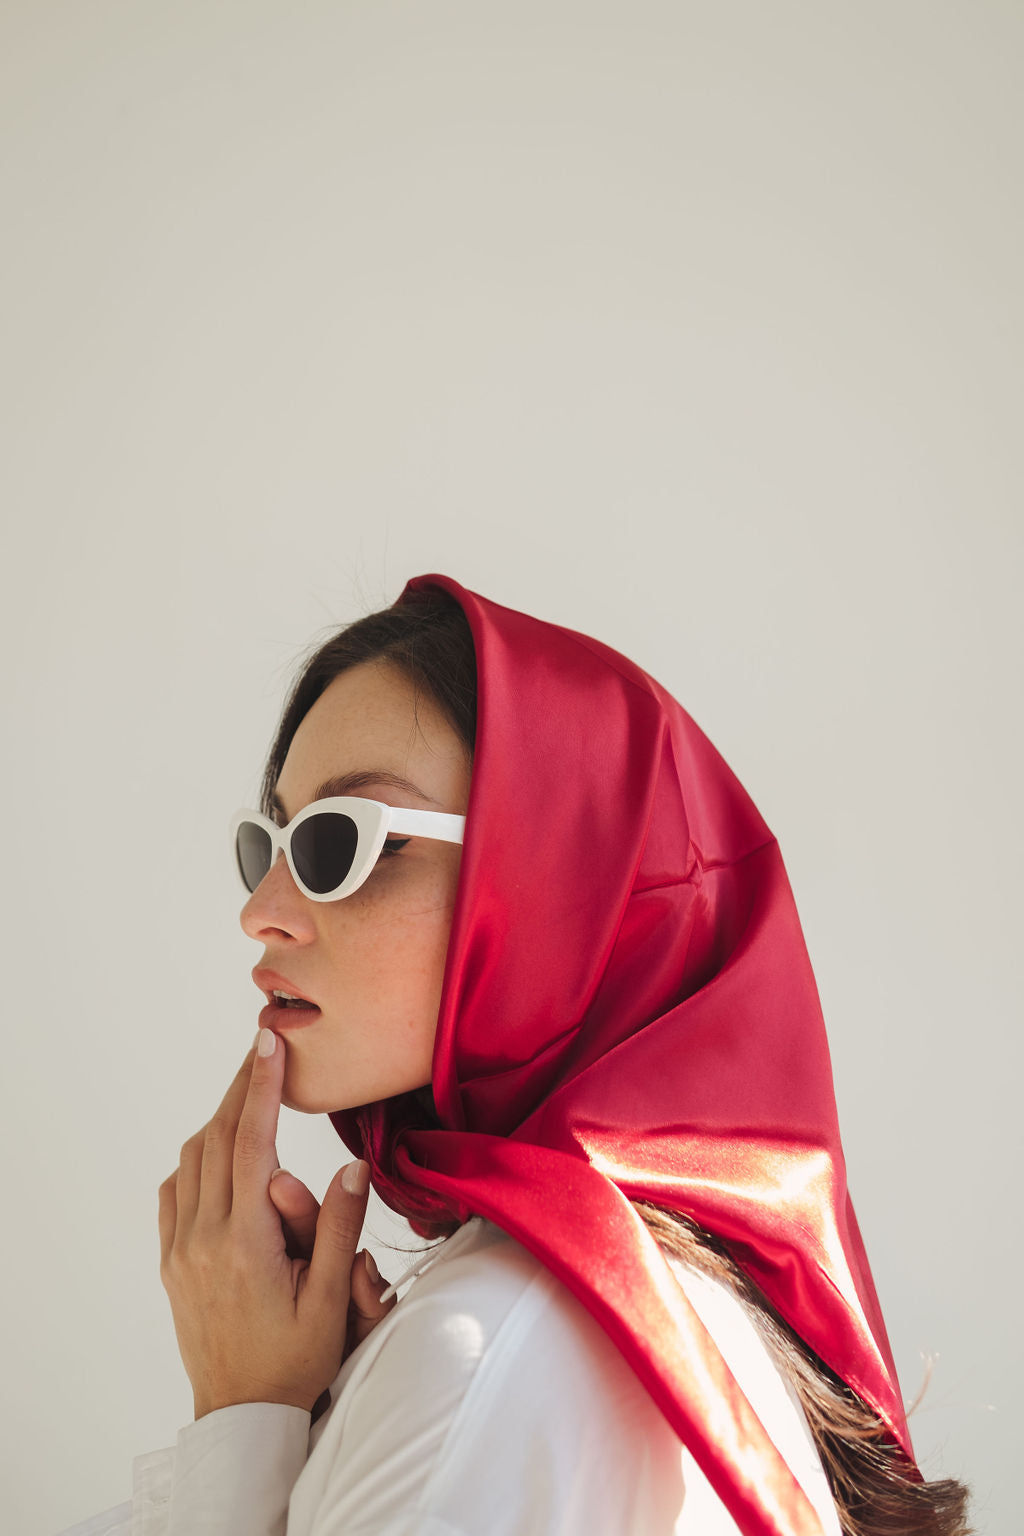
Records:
x=629, y=1012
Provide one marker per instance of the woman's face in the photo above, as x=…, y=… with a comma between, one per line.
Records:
x=374, y=961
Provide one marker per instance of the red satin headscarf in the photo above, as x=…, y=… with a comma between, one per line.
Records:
x=629, y=1010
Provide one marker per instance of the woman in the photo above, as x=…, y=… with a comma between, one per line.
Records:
x=556, y=1000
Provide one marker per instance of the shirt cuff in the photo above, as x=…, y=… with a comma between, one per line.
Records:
x=151, y=1489
x=235, y=1468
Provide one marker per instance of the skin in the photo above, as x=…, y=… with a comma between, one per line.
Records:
x=374, y=962
x=253, y=1324
x=268, y=1292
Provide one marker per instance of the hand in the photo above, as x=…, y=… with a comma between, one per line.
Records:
x=253, y=1324
x=299, y=1209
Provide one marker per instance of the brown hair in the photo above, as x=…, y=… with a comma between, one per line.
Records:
x=875, y=1490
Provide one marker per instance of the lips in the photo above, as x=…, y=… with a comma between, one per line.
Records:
x=270, y=982
x=278, y=1017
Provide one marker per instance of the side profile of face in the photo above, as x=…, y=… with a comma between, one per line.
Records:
x=373, y=961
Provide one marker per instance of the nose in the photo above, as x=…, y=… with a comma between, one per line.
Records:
x=278, y=906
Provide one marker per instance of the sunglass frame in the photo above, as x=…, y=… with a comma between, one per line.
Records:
x=373, y=819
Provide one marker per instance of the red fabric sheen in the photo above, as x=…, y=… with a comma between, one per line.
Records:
x=629, y=1012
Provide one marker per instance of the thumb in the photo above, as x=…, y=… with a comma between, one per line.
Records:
x=338, y=1230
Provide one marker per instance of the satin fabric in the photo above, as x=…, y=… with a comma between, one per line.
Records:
x=629, y=1012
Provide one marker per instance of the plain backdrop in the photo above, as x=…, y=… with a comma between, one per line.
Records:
x=694, y=327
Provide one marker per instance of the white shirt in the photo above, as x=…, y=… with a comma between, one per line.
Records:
x=487, y=1403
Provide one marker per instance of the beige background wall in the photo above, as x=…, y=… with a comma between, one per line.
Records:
x=695, y=327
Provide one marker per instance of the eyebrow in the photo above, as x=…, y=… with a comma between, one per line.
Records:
x=350, y=783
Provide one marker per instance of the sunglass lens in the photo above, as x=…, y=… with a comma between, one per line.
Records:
x=252, y=846
x=323, y=848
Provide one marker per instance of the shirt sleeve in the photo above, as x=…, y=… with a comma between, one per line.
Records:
x=151, y=1489
x=234, y=1470
x=145, y=1513
x=109, y=1522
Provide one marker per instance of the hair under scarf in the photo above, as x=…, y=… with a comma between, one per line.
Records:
x=629, y=1012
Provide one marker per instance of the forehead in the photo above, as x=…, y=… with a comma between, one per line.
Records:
x=370, y=717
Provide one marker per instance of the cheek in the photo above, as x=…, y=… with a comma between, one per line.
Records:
x=390, y=948
x=415, y=896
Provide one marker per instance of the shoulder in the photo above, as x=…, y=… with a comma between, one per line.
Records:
x=532, y=1417
x=471, y=1285
x=541, y=1362
x=488, y=1308
x=502, y=1402
x=491, y=1303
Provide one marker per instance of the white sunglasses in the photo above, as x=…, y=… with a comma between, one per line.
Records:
x=331, y=845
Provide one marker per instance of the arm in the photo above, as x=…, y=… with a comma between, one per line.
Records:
x=234, y=1470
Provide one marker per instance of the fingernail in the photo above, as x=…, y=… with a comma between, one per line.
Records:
x=265, y=1042
x=275, y=1173
x=355, y=1177
x=371, y=1267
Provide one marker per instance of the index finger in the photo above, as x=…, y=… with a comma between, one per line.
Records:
x=216, y=1168
x=255, y=1156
